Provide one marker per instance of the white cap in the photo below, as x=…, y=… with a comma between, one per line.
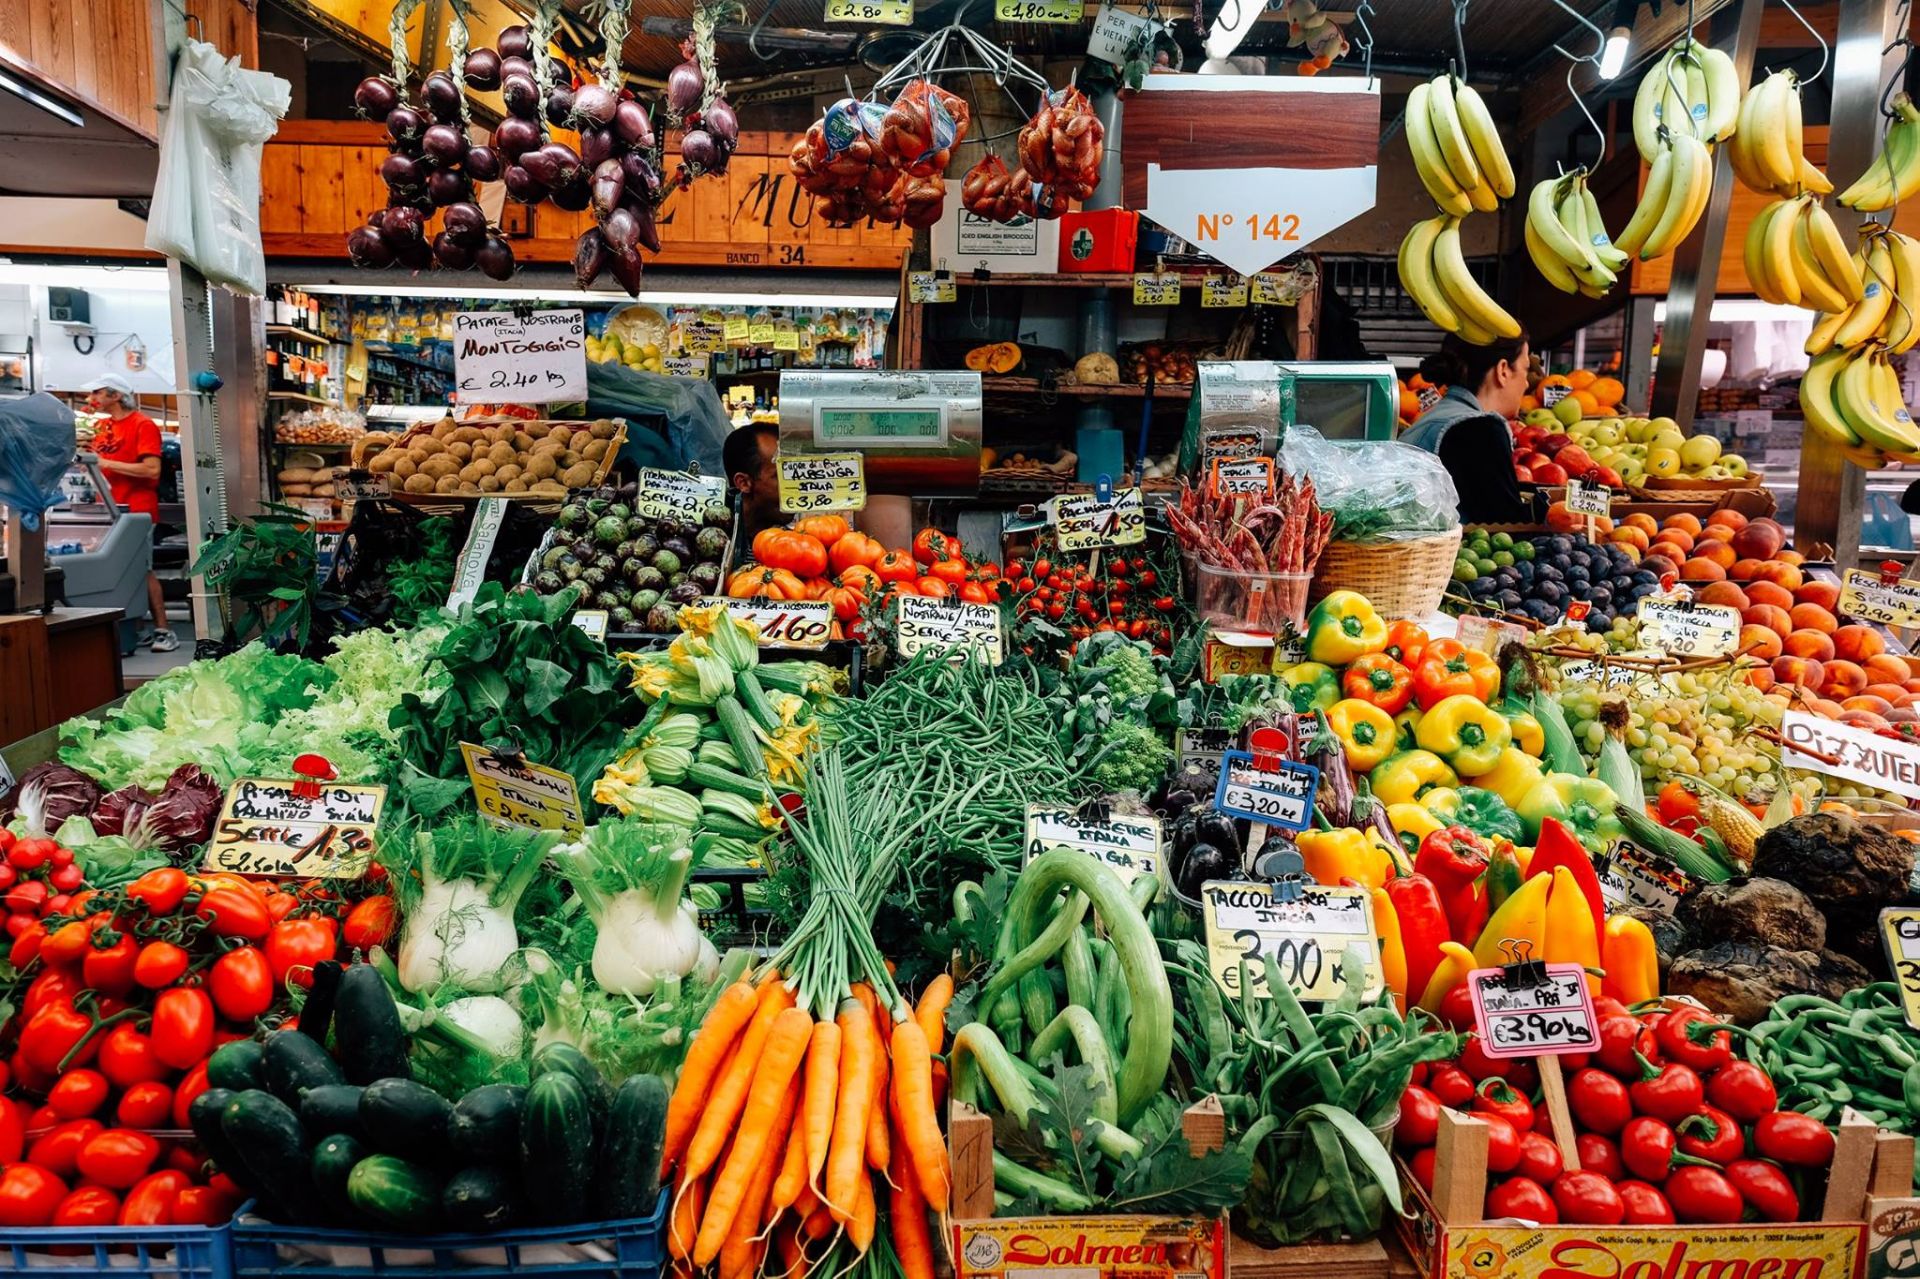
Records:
x=109, y=383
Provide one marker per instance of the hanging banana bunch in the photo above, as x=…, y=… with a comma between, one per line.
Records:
x=1433, y=271
x=1567, y=239
x=1691, y=88
x=1895, y=173
x=1851, y=391
x=1456, y=149
x=1766, y=148
x=1795, y=257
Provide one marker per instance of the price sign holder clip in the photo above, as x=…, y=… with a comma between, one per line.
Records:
x=1890, y=572
x=509, y=755
x=309, y=771
x=1096, y=810
x=1287, y=870
x=1524, y=972
x=1269, y=747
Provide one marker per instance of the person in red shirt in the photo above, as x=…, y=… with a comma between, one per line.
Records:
x=127, y=443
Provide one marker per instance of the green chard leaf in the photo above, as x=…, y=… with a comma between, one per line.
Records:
x=1168, y=1178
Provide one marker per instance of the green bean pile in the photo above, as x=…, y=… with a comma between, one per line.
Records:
x=978, y=746
x=1857, y=1052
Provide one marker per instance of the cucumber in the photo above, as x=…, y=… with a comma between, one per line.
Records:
x=366, y=1028
x=333, y=1159
x=571, y=1061
x=266, y=1134
x=556, y=1147
x=629, y=1154
x=731, y=828
x=237, y=1065
x=485, y=1127
x=753, y=699
x=395, y=1192
x=292, y=1063
x=401, y=1117
x=203, y=1116
x=713, y=777
x=480, y=1199
x=330, y=1109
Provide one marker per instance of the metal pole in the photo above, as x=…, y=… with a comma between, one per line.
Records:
x=1696, y=263
x=1832, y=501
x=1638, y=345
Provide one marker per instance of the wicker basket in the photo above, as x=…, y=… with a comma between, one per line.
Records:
x=1400, y=579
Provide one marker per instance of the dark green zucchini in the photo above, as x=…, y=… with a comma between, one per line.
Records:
x=236, y=1066
x=316, y=1014
x=366, y=1028
x=203, y=1116
x=485, y=1128
x=395, y=1192
x=333, y=1160
x=330, y=1109
x=293, y=1063
x=400, y=1117
x=629, y=1153
x=266, y=1135
x=570, y=1060
x=556, y=1147
x=481, y=1198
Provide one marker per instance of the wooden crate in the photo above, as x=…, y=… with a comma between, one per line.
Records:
x=1449, y=1237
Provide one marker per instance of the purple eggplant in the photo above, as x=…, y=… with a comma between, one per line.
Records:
x=495, y=258
x=626, y=269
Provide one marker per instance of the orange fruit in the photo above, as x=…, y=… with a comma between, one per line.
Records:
x=1759, y=641
x=1581, y=379
x=1699, y=570
x=1728, y=593
x=1728, y=516
x=1858, y=643
x=1825, y=595
x=1609, y=390
x=1642, y=521
x=1888, y=669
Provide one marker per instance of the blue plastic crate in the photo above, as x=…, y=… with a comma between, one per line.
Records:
x=179, y=1252
x=636, y=1248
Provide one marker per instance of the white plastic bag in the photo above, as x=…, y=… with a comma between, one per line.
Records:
x=206, y=200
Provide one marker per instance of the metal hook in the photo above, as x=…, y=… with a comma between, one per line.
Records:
x=1898, y=79
x=1460, y=35
x=1599, y=36
x=1360, y=13
x=753, y=36
x=1581, y=102
x=1826, y=53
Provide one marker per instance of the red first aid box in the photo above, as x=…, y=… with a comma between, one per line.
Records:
x=1101, y=241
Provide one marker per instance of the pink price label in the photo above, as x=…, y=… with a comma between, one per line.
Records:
x=1516, y=1016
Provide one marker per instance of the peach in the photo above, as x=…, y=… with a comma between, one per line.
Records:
x=1783, y=573
x=1813, y=617
x=1817, y=645
x=1771, y=616
x=1721, y=593
x=1765, y=592
x=1823, y=706
x=1805, y=671
x=1642, y=521
x=1824, y=594
x=1747, y=570
x=1790, y=557
x=1678, y=537
x=1911, y=685
x=1761, y=677
x=1631, y=536
x=1843, y=679
x=1858, y=643
x=1727, y=517
x=1759, y=641
x=1888, y=669
x=1892, y=694
x=1684, y=520
x=1863, y=719
x=1658, y=562
x=1760, y=540
x=1903, y=715
x=1709, y=548
x=1699, y=570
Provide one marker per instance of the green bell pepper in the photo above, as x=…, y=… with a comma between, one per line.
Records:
x=1480, y=811
x=1311, y=686
x=1466, y=732
x=1583, y=804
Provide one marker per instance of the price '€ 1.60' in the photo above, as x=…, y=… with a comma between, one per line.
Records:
x=1521, y=1017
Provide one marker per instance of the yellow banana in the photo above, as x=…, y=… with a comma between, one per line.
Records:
x=1652, y=200
x=1894, y=174
x=1427, y=160
x=1454, y=147
x=1692, y=184
x=1816, y=399
x=1557, y=272
x=1854, y=395
x=1416, y=274
x=1813, y=181
x=1488, y=150
x=1723, y=93
x=1470, y=301
x=1775, y=142
x=1830, y=252
x=1820, y=341
x=1754, y=256
x=1876, y=298
x=1818, y=292
x=1646, y=116
x=1543, y=215
x=1778, y=251
x=1610, y=256
x=1740, y=153
x=1902, y=327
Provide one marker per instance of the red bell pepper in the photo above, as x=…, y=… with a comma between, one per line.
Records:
x=1599, y=1101
x=1588, y=1199
x=1765, y=1188
x=1713, y=1135
x=1793, y=1139
x=1455, y=858
x=1704, y=1196
x=1557, y=847
x=1646, y=1206
x=1540, y=1158
x=1525, y=1198
x=1670, y=1092
x=1423, y=926
x=1419, y=1123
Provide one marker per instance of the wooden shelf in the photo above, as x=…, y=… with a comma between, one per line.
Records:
x=303, y=444
x=290, y=331
x=1081, y=279
x=301, y=398
x=1117, y=390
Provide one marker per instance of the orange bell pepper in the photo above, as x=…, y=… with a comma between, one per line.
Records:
x=1449, y=669
x=1380, y=681
x=1406, y=642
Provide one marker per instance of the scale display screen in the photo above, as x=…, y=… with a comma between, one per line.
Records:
x=861, y=426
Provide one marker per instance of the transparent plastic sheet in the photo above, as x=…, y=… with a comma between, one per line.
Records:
x=1376, y=490
x=695, y=424
x=36, y=447
x=206, y=198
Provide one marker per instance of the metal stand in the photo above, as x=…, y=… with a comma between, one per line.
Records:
x=202, y=486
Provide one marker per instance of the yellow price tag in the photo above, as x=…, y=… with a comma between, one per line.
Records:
x=1221, y=290
x=1150, y=289
x=521, y=792
x=1866, y=598
x=812, y=482
x=735, y=329
x=786, y=338
x=1273, y=289
x=1037, y=10
x=931, y=286
x=893, y=13
x=761, y=333
x=1900, y=934
x=1308, y=939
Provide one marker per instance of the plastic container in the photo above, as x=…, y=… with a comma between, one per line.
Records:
x=1280, y=1151
x=1263, y=603
x=178, y=1252
x=630, y=1249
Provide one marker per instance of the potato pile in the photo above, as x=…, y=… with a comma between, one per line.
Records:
x=468, y=459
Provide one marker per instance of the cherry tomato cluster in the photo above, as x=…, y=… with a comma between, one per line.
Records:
x=1129, y=594
x=122, y=996
x=1670, y=1127
x=37, y=877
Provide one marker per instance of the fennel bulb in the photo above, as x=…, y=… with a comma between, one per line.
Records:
x=489, y=1019
x=632, y=876
x=460, y=933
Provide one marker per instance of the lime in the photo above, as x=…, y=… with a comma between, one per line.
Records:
x=1485, y=565
x=1503, y=559
x=1502, y=541
x=1523, y=550
x=1464, y=570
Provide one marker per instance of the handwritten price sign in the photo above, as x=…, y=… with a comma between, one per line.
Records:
x=1037, y=10
x=1866, y=598
x=538, y=358
x=1081, y=521
x=961, y=627
x=931, y=286
x=896, y=13
x=1685, y=629
x=1307, y=939
x=1279, y=795
x=782, y=623
x=1588, y=499
x=524, y=794
x=677, y=495
x=267, y=828
x=1126, y=845
x=822, y=482
x=1222, y=290
x=1150, y=289
x=1522, y=1020
x=1900, y=934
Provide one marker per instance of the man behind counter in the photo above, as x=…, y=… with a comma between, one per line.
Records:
x=127, y=443
x=747, y=456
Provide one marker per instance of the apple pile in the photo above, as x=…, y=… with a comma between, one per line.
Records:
x=1551, y=446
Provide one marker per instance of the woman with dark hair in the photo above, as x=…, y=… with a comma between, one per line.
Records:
x=1468, y=430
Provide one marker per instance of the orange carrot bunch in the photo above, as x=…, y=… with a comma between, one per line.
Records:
x=783, y=1132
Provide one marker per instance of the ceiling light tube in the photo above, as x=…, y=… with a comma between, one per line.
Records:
x=27, y=93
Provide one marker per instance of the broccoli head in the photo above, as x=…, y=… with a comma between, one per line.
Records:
x=1131, y=757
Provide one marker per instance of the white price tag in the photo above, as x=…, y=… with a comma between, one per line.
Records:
x=370, y=488
x=1628, y=877
x=593, y=621
x=1885, y=763
x=1081, y=521
x=537, y=357
x=781, y=623
x=1588, y=499
x=1200, y=749
x=677, y=495
x=1246, y=922
x=693, y=366
x=947, y=624
x=1116, y=33
x=1685, y=629
x=1521, y=1019
x=1127, y=845
x=1280, y=794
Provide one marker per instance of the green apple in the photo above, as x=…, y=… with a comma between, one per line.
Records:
x=1568, y=411
x=1735, y=464
x=1607, y=430
x=1541, y=418
x=1630, y=468
x=1639, y=430
x=1668, y=439
x=1699, y=451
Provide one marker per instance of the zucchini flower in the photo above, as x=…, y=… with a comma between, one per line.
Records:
x=786, y=752
x=695, y=658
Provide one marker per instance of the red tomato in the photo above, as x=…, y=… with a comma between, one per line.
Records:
x=150, y=1202
x=235, y=912
x=160, y=964
x=78, y=1093
x=145, y=1105
x=127, y=1057
x=183, y=1026
x=58, y=1149
x=241, y=983
x=118, y=1157
x=88, y=1206
x=29, y=1194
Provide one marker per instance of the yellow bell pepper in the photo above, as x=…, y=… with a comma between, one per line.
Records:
x=1466, y=732
x=1523, y=853
x=1310, y=686
x=1393, y=955
x=1527, y=733
x=1333, y=855
x=1406, y=776
x=1626, y=951
x=1364, y=730
x=1511, y=776
x=1521, y=919
x=1570, y=938
x=1406, y=728
x=1456, y=961
x=1413, y=819
x=1343, y=628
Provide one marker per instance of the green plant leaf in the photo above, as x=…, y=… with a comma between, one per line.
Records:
x=1168, y=1178
x=546, y=683
x=1070, y=1129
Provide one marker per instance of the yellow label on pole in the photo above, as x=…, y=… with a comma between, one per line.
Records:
x=736, y=328
x=1156, y=289
x=1308, y=938
x=892, y=13
x=931, y=286
x=1866, y=598
x=268, y=827
x=812, y=482
x=522, y=793
x=1222, y=290
x=1900, y=934
x=1274, y=289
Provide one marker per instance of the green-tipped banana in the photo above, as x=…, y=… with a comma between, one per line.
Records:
x=1894, y=174
x=1469, y=300
x=1427, y=160
x=1816, y=399
x=1653, y=199
x=1544, y=217
x=1416, y=274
